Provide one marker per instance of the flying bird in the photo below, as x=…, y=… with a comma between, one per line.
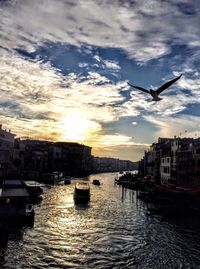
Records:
x=155, y=93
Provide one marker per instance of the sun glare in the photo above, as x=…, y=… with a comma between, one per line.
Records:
x=77, y=128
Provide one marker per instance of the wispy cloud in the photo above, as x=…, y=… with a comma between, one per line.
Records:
x=176, y=126
x=134, y=29
x=36, y=97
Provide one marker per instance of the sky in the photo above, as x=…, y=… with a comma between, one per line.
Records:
x=65, y=66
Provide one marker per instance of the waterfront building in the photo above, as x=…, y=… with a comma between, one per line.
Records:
x=184, y=167
x=165, y=170
x=196, y=162
x=174, y=160
x=18, y=157
x=174, y=150
x=105, y=164
x=71, y=158
x=6, y=152
x=150, y=164
x=36, y=157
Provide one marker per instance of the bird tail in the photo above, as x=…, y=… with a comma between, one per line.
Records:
x=157, y=99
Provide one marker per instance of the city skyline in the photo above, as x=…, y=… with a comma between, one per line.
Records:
x=65, y=67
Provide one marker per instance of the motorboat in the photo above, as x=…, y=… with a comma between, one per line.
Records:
x=34, y=189
x=96, y=182
x=82, y=192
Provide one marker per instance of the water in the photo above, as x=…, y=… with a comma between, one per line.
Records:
x=112, y=231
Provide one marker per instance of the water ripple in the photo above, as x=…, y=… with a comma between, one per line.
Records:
x=112, y=231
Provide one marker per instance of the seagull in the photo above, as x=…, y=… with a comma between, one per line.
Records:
x=155, y=93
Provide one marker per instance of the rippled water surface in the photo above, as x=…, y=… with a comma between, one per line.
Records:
x=112, y=231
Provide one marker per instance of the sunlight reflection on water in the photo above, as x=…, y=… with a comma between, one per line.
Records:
x=111, y=231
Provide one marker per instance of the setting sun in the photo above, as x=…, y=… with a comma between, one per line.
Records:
x=77, y=128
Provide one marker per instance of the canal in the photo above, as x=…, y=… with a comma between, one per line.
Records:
x=114, y=230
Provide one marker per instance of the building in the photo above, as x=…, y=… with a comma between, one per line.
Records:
x=6, y=152
x=196, y=162
x=174, y=161
x=184, y=165
x=165, y=170
x=151, y=162
x=72, y=158
x=174, y=153
x=105, y=164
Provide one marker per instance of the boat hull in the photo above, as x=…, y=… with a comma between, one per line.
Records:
x=82, y=192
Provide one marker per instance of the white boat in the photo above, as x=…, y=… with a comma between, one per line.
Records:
x=82, y=192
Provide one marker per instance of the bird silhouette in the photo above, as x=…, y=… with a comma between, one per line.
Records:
x=155, y=93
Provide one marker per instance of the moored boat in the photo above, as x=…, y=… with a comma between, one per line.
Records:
x=15, y=200
x=34, y=189
x=82, y=192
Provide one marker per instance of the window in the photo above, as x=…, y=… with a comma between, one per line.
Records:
x=198, y=150
x=165, y=169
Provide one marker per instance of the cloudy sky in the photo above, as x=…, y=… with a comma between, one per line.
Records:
x=65, y=66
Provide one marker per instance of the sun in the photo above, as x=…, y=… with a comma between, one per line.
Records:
x=77, y=128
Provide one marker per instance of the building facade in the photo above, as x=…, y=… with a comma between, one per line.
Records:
x=173, y=160
x=6, y=152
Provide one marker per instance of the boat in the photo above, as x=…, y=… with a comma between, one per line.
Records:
x=67, y=180
x=82, y=192
x=34, y=189
x=96, y=182
x=15, y=200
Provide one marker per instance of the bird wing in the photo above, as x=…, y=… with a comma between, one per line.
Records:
x=166, y=85
x=139, y=88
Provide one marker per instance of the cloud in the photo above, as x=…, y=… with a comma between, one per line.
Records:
x=135, y=29
x=134, y=152
x=176, y=126
x=112, y=65
x=38, y=101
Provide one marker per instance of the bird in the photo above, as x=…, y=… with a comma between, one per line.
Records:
x=155, y=93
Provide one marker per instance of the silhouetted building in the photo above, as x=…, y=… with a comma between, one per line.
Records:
x=6, y=152
x=184, y=168
x=35, y=157
x=196, y=162
x=105, y=164
x=72, y=158
x=174, y=161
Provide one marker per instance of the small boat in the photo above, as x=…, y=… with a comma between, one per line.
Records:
x=67, y=180
x=96, y=182
x=82, y=192
x=34, y=189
